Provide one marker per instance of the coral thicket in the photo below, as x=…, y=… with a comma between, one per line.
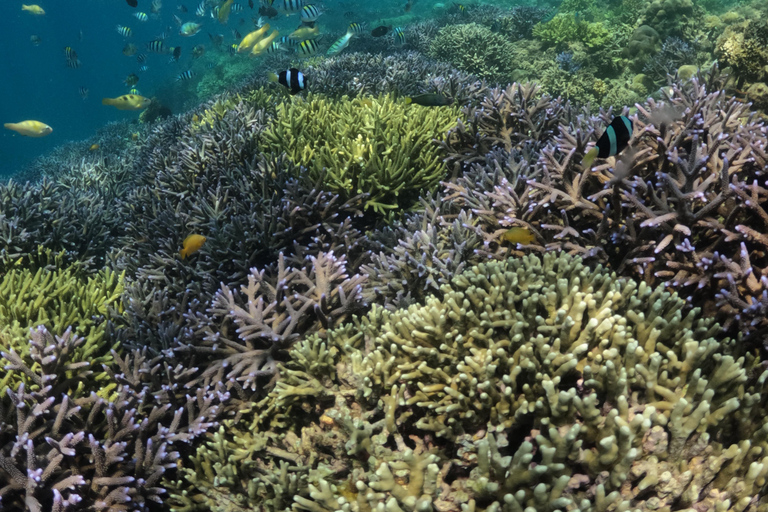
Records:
x=533, y=382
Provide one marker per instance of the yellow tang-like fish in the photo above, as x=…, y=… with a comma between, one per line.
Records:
x=224, y=11
x=127, y=102
x=33, y=9
x=192, y=244
x=518, y=235
x=250, y=39
x=304, y=33
x=30, y=128
x=262, y=45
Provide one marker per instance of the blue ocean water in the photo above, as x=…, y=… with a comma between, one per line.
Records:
x=38, y=84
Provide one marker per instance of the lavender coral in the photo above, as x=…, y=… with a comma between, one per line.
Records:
x=680, y=207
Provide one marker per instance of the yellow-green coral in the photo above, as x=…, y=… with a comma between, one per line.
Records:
x=59, y=297
x=564, y=28
x=378, y=146
x=534, y=384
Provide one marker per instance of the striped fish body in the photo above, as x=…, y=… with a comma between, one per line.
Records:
x=356, y=28
x=156, y=46
x=275, y=47
x=340, y=44
x=310, y=13
x=124, y=31
x=237, y=8
x=73, y=63
x=615, y=138
x=141, y=58
x=70, y=53
x=289, y=6
x=186, y=75
x=399, y=35
x=308, y=47
x=141, y=16
x=200, y=11
x=287, y=41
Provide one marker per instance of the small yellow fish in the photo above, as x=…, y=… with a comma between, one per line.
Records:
x=33, y=9
x=518, y=235
x=262, y=45
x=30, y=128
x=135, y=136
x=304, y=33
x=127, y=102
x=192, y=244
x=250, y=39
x=93, y=147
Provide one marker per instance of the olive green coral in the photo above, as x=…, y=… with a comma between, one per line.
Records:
x=564, y=28
x=59, y=297
x=373, y=145
x=533, y=384
x=475, y=49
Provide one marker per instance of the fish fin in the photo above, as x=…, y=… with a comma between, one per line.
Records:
x=589, y=158
x=408, y=100
x=272, y=77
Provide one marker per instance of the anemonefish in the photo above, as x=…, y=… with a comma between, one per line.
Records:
x=613, y=141
x=292, y=78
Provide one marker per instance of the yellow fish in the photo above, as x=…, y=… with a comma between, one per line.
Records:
x=127, y=102
x=518, y=235
x=224, y=11
x=135, y=136
x=33, y=9
x=250, y=39
x=262, y=45
x=192, y=244
x=304, y=33
x=30, y=128
x=93, y=147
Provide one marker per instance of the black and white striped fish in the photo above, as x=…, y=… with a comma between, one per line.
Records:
x=186, y=75
x=292, y=78
x=156, y=46
x=124, y=31
x=200, y=11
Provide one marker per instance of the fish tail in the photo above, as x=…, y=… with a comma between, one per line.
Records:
x=9, y=126
x=589, y=158
x=272, y=77
x=107, y=101
x=408, y=100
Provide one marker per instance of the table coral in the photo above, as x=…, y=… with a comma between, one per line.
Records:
x=532, y=382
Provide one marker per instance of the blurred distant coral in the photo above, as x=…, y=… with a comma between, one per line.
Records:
x=474, y=49
x=744, y=48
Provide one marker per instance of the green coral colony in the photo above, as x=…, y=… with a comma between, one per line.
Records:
x=414, y=284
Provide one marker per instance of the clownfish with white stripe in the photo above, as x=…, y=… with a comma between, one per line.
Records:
x=613, y=141
x=292, y=78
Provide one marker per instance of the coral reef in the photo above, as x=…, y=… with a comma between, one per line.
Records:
x=373, y=146
x=60, y=298
x=531, y=384
x=743, y=48
x=674, y=53
x=682, y=206
x=669, y=16
x=474, y=49
x=61, y=453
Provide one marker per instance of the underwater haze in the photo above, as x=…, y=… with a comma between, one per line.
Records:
x=401, y=256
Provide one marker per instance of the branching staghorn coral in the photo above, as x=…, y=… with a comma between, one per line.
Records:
x=246, y=332
x=61, y=298
x=532, y=383
x=673, y=208
x=373, y=146
x=61, y=453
